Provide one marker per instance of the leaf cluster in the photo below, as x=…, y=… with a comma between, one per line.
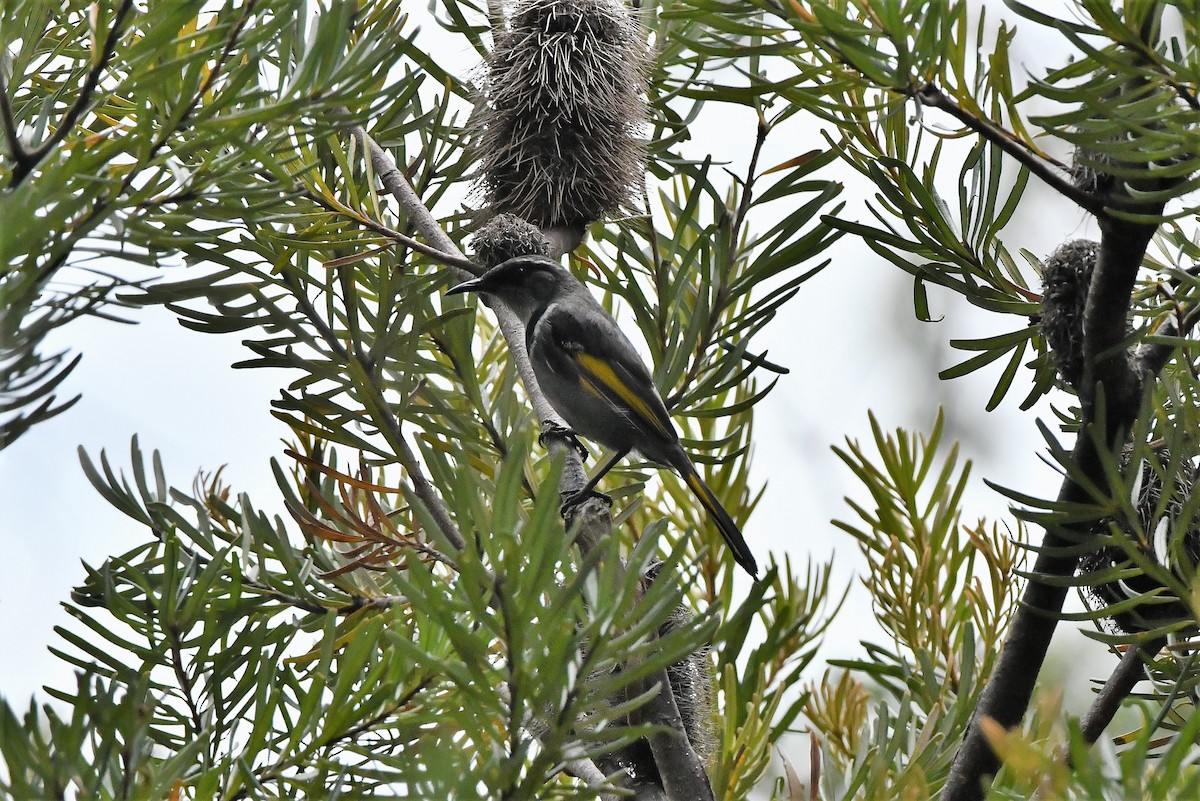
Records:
x=262, y=670
x=943, y=594
x=873, y=69
x=116, y=117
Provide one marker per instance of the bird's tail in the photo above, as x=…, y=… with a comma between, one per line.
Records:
x=729, y=529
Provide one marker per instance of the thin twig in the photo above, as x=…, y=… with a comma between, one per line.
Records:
x=305, y=605
x=185, y=681
x=297, y=756
x=16, y=150
x=371, y=722
x=1150, y=58
x=1129, y=672
x=1151, y=357
x=442, y=257
x=583, y=769
x=378, y=603
x=27, y=160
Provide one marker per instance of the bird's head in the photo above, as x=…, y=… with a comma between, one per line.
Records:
x=524, y=284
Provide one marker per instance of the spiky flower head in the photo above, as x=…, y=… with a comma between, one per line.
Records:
x=1091, y=170
x=506, y=236
x=562, y=105
x=1156, y=531
x=1066, y=276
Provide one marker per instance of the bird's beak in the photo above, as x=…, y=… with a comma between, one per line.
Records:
x=474, y=285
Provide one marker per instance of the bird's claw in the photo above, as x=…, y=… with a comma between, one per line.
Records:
x=551, y=430
x=573, y=499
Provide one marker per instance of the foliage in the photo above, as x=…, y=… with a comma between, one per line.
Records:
x=422, y=625
x=115, y=117
x=899, y=84
x=943, y=594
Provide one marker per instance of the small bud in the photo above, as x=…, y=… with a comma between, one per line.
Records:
x=506, y=236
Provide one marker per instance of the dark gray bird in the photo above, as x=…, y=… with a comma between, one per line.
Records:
x=594, y=378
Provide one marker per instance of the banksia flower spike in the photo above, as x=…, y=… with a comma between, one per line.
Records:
x=1163, y=517
x=562, y=105
x=1066, y=276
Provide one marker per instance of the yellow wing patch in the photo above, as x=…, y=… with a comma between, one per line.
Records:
x=596, y=371
x=702, y=494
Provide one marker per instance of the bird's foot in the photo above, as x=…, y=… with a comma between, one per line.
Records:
x=572, y=499
x=552, y=430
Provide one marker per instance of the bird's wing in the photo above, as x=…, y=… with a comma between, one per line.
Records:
x=594, y=352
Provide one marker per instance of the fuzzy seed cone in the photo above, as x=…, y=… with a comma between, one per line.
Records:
x=563, y=101
x=1146, y=504
x=506, y=236
x=1066, y=275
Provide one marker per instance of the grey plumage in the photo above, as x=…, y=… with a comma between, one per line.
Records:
x=592, y=375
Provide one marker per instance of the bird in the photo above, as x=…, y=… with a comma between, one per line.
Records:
x=594, y=378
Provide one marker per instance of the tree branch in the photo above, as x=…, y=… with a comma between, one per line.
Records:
x=1110, y=379
x=1120, y=684
x=930, y=95
x=1107, y=371
x=1113, y=380
x=26, y=160
x=679, y=766
x=16, y=151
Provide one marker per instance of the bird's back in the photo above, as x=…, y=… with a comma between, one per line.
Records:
x=594, y=378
